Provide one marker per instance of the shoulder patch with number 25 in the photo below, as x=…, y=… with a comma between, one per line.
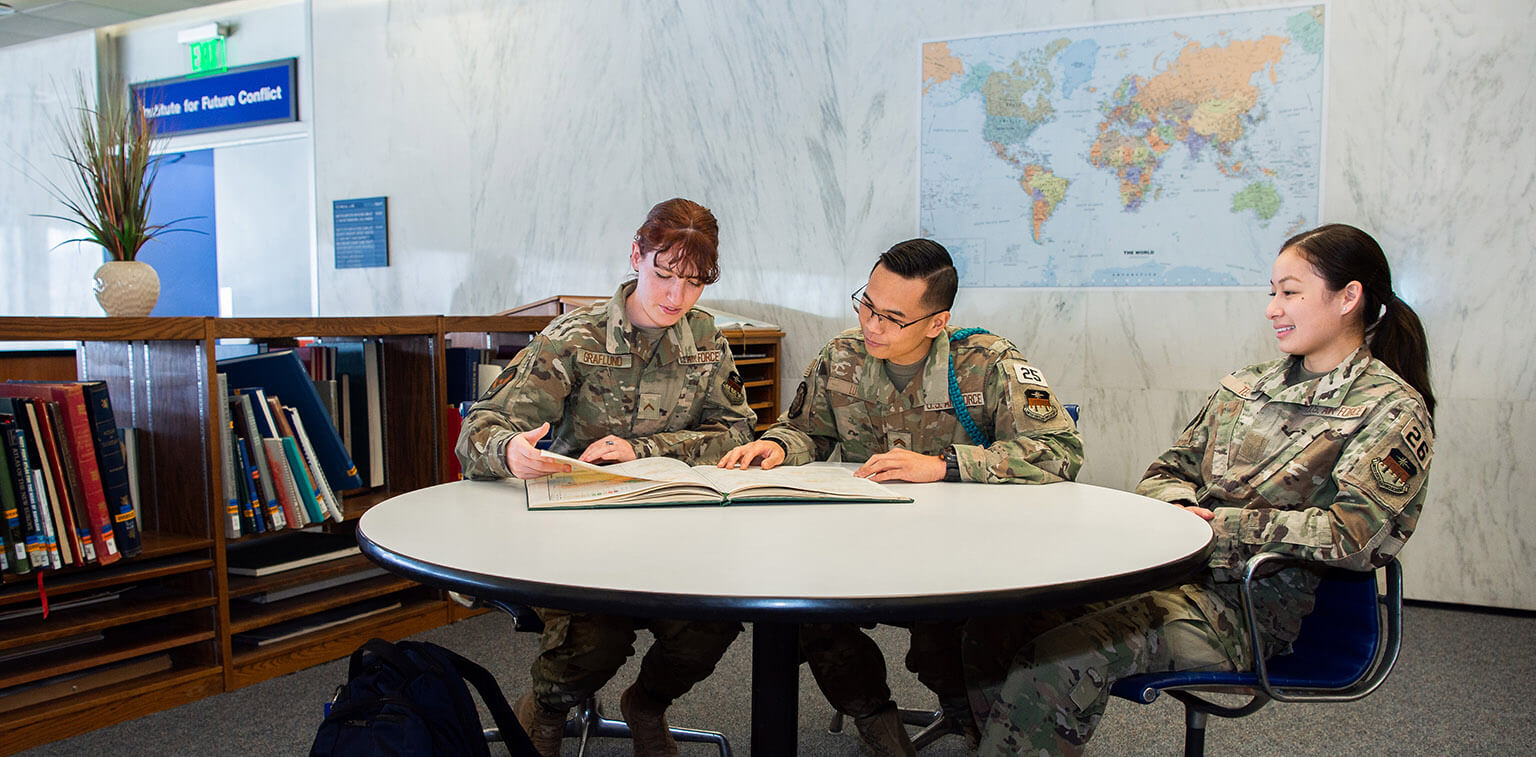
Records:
x=1028, y=375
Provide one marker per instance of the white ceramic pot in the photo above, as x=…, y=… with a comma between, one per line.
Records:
x=127, y=287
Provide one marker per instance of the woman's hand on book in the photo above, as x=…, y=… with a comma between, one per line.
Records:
x=743, y=457
x=524, y=459
x=609, y=449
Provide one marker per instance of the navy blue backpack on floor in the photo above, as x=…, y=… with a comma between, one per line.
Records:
x=410, y=698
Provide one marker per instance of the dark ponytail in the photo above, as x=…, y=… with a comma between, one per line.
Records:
x=1341, y=254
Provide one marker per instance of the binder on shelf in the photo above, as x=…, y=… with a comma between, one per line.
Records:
x=286, y=552
x=281, y=375
x=292, y=629
x=278, y=595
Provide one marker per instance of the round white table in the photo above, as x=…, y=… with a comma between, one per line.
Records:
x=958, y=550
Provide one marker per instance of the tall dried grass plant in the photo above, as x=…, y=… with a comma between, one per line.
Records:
x=112, y=166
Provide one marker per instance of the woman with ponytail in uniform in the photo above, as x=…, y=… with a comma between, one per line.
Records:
x=1321, y=455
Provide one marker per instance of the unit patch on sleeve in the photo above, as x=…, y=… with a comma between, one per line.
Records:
x=798, y=404
x=1393, y=471
x=1038, y=405
x=732, y=388
x=507, y=374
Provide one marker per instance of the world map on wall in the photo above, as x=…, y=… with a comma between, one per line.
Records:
x=1170, y=152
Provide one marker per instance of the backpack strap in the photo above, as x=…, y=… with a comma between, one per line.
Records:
x=512, y=733
x=956, y=400
x=385, y=651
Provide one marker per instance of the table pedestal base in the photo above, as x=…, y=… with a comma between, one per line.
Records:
x=775, y=687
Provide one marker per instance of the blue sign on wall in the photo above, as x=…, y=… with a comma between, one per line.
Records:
x=361, y=232
x=264, y=93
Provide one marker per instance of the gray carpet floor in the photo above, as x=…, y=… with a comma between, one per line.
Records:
x=1461, y=687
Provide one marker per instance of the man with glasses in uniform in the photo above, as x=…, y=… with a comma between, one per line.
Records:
x=914, y=400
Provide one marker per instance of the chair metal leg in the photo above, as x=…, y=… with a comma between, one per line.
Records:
x=938, y=726
x=932, y=722
x=1194, y=732
x=589, y=722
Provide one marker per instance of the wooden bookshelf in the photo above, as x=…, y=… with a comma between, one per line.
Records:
x=758, y=355
x=175, y=603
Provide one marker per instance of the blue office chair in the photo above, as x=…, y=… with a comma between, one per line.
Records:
x=1346, y=648
x=587, y=720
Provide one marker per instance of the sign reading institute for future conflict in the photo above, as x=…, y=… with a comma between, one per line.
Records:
x=1172, y=152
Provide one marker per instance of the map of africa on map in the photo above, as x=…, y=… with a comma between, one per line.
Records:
x=1174, y=152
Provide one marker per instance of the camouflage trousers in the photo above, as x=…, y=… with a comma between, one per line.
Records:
x=850, y=669
x=1057, y=682
x=580, y=652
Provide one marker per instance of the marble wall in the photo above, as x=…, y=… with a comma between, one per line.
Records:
x=44, y=273
x=521, y=142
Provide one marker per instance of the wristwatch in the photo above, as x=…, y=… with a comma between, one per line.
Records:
x=951, y=464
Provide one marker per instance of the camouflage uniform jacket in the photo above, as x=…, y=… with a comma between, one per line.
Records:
x=684, y=400
x=846, y=399
x=1331, y=470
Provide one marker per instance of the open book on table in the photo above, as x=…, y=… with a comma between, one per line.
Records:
x=651, y=481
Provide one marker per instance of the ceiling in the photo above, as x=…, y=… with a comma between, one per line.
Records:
x=27, y=20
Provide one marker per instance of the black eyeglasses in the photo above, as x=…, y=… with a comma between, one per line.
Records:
x=863, y=308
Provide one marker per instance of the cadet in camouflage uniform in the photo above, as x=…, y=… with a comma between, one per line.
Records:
x=850, y=399
x=619, y=380
x=1322, y=455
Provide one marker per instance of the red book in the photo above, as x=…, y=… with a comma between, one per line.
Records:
x=79, y=443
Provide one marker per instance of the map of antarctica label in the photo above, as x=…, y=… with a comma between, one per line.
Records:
x=1171, y=152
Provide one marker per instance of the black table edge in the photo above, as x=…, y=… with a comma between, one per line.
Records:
x=784, y=609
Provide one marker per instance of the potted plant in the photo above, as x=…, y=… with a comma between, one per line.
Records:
x=110, y=152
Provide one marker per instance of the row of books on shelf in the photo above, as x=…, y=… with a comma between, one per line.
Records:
x=68, y=488
x=345, y=374
x=284, y=456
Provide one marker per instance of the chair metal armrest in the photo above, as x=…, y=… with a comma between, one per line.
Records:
x=1390, y=648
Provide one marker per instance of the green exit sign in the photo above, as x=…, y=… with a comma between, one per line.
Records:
x=208, y=55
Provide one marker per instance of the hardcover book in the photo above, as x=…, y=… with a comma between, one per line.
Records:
x=653, y=481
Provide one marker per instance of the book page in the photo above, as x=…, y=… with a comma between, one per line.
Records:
x=646, y=468
x=797, y=482
x=646, y=479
